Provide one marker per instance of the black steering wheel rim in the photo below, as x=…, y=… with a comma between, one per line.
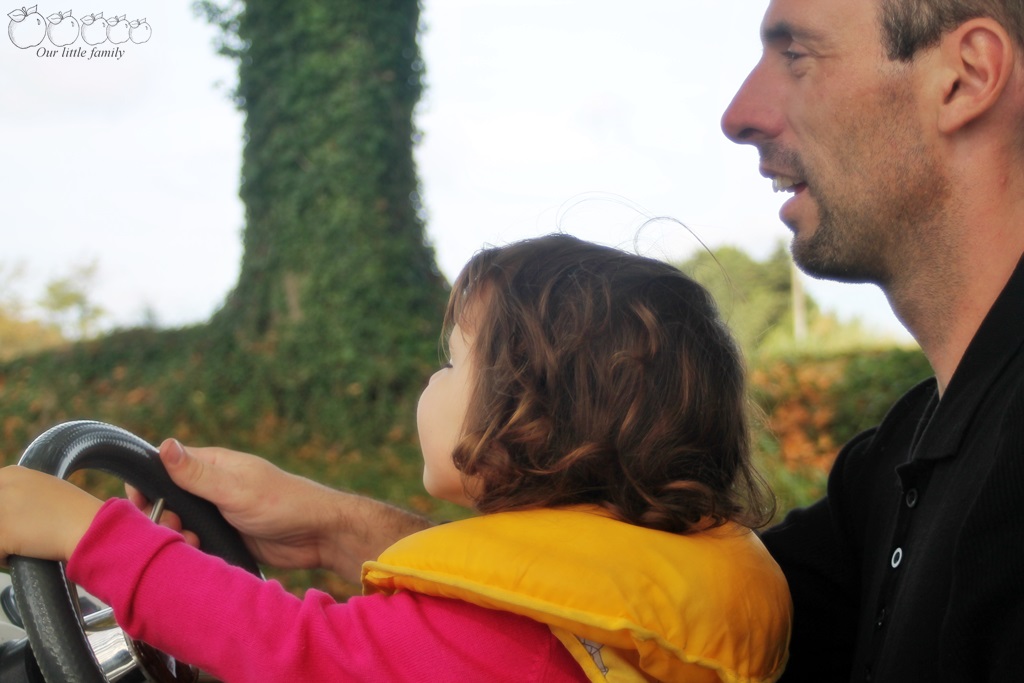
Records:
x=42, y=590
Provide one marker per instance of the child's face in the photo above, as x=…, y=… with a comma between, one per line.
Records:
x=441, y=415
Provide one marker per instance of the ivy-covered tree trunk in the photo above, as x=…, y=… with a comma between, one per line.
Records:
x=338, y=303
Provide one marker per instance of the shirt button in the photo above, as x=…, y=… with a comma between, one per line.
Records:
x=911, y=498
x=881, y=619
x=897, y=557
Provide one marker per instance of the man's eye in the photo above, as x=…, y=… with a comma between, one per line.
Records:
x=792, y=55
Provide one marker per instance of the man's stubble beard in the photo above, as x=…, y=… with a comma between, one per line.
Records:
x=883, y=215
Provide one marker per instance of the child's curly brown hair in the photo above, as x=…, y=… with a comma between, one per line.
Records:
x=605, y=378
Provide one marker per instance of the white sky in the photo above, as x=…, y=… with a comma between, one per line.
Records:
x=538, y=114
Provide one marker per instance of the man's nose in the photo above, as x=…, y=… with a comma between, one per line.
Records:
x=752, y=116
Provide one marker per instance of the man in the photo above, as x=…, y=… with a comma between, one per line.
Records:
x=898, y=126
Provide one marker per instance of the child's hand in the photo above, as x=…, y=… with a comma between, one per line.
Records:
x=41, y=515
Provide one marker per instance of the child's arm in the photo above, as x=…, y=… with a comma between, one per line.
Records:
x=288, y=521
x=41, y=515
x=240, y=629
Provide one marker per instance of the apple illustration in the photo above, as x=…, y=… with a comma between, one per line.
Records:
x=140, y=31
x=118, y=30
x=27, y=28
x=94, y=28
x=62, y=28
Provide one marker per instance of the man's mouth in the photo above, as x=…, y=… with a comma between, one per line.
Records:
x=781, y=183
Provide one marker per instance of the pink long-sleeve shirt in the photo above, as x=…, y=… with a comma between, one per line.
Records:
x=240, y=628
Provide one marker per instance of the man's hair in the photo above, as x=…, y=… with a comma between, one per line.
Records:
x=604, y=378
x=909, y=26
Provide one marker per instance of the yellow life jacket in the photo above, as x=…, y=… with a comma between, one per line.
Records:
x=629, y=603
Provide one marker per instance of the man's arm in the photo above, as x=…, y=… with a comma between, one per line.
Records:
x=288, y=521
x=824, y=620
x=811, y=546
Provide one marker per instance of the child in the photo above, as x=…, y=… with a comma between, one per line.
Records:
x=593, y=411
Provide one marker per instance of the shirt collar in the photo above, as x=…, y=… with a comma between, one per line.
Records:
x=995, y=344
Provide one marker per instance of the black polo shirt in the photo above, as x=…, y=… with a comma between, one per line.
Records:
x=912, y=566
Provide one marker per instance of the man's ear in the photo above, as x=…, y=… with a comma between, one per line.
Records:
x=977, y=60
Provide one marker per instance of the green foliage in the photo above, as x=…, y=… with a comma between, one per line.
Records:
x=753, y=296
x=149, y=383
x=808, y=406
x=757, y=300
x=19, y=333
x=67, y=303
x=793, y=488
x=10, y=303
x=338, y=301
x=872, y=382
x=19, y=336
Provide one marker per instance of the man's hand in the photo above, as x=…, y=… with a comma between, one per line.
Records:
x=287, y=521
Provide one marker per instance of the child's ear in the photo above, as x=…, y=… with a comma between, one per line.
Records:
x=975, y=64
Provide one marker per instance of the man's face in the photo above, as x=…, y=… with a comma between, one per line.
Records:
x=837, y=125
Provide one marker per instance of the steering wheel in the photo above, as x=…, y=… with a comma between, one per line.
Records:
x=48, y=601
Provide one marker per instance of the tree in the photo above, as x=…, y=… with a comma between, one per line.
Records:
x=66, y=302
x=754, y=297
x=338, y=300
x=10, y=302
x=19, y=334
x=766, y=309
